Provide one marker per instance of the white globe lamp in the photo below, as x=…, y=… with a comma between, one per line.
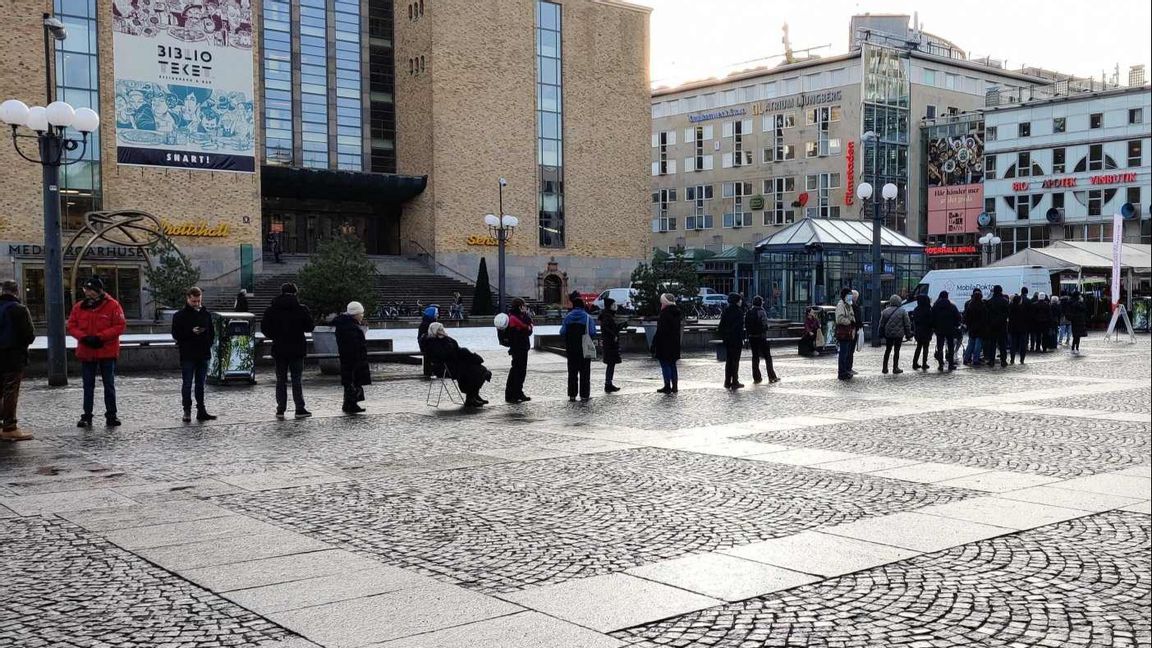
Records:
x=60, y=113
x=864, y=191
x=14, y=112
x=37, y=119
x=889, y=191
x=87, y=121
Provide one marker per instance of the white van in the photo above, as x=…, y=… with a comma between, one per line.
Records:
x=961, y=282
x=624, y=299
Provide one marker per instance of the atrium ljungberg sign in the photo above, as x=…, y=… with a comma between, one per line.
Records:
x=184, y=86
x=771, y=105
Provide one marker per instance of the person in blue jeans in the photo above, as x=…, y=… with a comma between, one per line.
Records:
x=666, y=343
x=976, y=321
x=575, y=326
x=193, y=330
x=845, y=335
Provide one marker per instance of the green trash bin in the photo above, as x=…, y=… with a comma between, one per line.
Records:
x=234, y=350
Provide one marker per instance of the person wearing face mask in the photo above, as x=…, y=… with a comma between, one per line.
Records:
x=97, y=322
x=610, y=330
x=352, y=345
x=845, y=335
x=193, y=331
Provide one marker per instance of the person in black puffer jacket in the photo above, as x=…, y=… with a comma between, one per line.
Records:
x=610, y=330
x=946, y=325
x=922, y=330
x=1077, y=313
x=1041, y=322
x=996, y=328
x=1019, y=328
x=194, y=331
x=732, y=334
x=352, y=345
x=976, y=321
x=285, y=323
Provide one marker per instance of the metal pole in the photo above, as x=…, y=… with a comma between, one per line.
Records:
x=51, y=150
x=877, y=264
x=48, y=61
x=501, y=238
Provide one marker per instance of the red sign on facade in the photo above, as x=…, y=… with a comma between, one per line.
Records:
x=954, y=209
x=850, y=186
x=1068, y=183
x=944, y=250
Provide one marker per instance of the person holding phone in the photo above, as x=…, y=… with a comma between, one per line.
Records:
x=193, y=331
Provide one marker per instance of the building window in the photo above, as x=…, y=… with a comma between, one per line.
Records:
x=989, y=167
x=1096, y=157
x=1132, y=195
x=1022, y=208
x=664, y=164
x=699, y=196
x=660, y=200
x=820, y=185
x=1059, y=163
x=1095, y=202
x=699, y=161
x=550, y=125
x=779, y=190
x=929, y=112
x=1024, y=129
x=1059, y=125
x=1096, y=120
x=1024, y=164
x=1135, y=149
x=990, y=134
x=1058, y=200
x=1135, y=115
x=989, y=205
x=736, y=220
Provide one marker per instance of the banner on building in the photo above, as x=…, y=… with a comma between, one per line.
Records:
x=1117, y=254
x=184, y=84
x=955, y=209
x=957, y=160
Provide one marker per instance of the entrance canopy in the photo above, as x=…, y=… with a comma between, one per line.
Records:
x=1082, y=256
x=833, y=233
x=329, y=184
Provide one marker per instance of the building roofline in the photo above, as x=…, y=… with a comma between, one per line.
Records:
x=1079, y=96
x=620, y=4
x=978, y=67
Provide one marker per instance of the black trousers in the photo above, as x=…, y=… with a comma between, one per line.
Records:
x=921, y=349
x=732, y=365
x=579, y=376
x=514, y=388
x=284, y=367
x=994, y=343
x=892, y=345
x=761, y=349
x=1019, y=346
x=946, y=342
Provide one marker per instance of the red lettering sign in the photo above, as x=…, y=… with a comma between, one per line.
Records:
x=1055, y=183
x=1113, y=178
x=948, y=250
x=850, y=186
x=1020, y=186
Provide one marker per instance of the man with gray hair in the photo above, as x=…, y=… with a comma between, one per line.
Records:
x=16, y=334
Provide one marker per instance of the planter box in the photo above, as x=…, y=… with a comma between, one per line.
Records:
x=324, y=341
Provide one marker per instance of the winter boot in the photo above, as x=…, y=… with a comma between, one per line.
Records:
x=203, y=415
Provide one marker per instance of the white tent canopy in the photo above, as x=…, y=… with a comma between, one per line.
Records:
x=1082, y=256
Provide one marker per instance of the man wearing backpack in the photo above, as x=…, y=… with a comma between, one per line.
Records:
x=16, y=335
x=756, y=327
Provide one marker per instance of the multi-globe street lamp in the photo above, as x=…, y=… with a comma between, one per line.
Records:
x=864, y=193
x=988, y=244
x=501, y=228
x=49, y=125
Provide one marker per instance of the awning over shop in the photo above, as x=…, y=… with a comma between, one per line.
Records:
x=841, y=233
x=734, y=254
x=329, y=184
x=1082, y=256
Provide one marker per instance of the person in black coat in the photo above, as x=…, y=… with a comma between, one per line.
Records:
x=519, y=331
x=427, y=318
x=996, y=327
x=756, y=328
x=241, y=305
x=945, y=324
x=1077, y=314
x=922, y=330
x=732, y=335
x=464, y=366
x=285, y=323
x=17, y=323
x=610, y=330
x=976, y=321
x=352, y=345
x=1019, y=327
x=1041, y=322
x=666, y=343
x=193, y=330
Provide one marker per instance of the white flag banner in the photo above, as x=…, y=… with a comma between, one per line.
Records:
x=1117, y=252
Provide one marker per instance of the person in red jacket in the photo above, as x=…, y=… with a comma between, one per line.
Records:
x=97, y=322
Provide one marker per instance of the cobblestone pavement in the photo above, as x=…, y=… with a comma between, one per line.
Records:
x=1079, y=583
x=978, y=508
x=504, y=527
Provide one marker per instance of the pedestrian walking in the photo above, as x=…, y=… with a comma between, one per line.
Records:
x=1041, y=322
x=519, y=333
x=996, y=328
x=16, y=335
x=193, y=330
x=1019, y=327
x=97, y=322
x=945, y=324
x=976, y=321
x=1078, y=320
x=579, y=330
x=895, y=326
x=666, y=343
x=845, y=335
x=756, y=328
x=427, y=318
x=286, y=322
x=465, y=366
x=241, y=303
x=922, y=330
x=352, y=347
x=732, y=336
x=610, y=330
x=857, y=326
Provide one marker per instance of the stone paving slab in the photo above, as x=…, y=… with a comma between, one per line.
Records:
x=187, y=532
x=814, y=552
x=916, y=531
x=521, y=630
x=375, y=619
x=1077, y=499
x=309, y=592
x=610, y=602
x=225, y=551
x=64, y=502
x=1111, y=484
x=1143, y=507
x=928, y=472
x=720, y=576
x=278, y=569
x=283, y=478
x=145, y=515
x=1011, y=514
x=999, y=481
x=806, y=456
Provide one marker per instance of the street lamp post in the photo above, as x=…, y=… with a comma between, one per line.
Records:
x=888, y=192
x=49, y=124
x=501, y=228
x=988, y=244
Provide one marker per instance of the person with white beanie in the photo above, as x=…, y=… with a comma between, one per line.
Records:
x=352, y=345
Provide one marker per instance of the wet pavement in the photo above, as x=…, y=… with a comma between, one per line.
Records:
x=988, y=507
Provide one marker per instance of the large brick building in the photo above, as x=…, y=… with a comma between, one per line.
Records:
x=391, y=119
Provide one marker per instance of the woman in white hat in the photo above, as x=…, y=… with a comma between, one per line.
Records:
x=352, y=345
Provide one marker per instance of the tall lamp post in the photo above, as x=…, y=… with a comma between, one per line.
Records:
x=501, y=228
x=988, y=244
x=888, y=192
x=49, y=125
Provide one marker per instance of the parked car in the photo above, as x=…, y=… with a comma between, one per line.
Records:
x=624, y=299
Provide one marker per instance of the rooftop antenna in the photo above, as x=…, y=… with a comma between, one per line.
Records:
x=788, y=57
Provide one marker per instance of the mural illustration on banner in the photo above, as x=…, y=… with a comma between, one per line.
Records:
x=184, y=84
x=956, y=160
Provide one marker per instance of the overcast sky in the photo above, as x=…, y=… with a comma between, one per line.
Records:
x=694, y=39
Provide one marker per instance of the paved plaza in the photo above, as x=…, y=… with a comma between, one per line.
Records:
x=981, y=508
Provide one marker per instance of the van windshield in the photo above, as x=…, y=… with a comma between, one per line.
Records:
x=921, y=289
